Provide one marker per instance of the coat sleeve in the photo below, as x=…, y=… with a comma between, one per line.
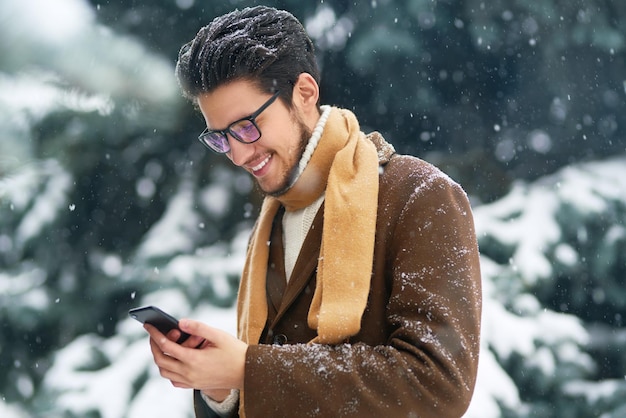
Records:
x=200, y=408
x=427, y=365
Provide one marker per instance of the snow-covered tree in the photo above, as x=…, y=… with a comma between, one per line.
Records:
x=554, y=264
x=108, y=202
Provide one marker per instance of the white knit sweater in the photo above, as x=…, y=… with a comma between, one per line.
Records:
x=296, y=225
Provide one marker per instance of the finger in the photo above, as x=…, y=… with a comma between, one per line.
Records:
x=175, y=378
x=194, y=341
x=164, y=344
x=174, y=335
x=177, y=336
x=200, y=329
x=181, y=385
x=169, y=368
x=163, y=360
x=159, y=338
x=155, y=334
x=157, y=352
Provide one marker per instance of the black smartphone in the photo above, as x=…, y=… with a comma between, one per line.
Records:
x=162, y=321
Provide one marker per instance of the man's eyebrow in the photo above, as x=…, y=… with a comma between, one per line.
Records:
x=234, y=121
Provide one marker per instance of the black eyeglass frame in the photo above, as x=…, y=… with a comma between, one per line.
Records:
x=251, y=118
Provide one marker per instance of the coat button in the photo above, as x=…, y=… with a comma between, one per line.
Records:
x=280, y=339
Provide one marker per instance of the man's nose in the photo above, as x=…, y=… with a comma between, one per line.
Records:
x=239, y=152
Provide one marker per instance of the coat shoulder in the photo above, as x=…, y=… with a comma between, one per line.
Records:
x=414, y=174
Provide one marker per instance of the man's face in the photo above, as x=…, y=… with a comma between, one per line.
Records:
x=273, y=158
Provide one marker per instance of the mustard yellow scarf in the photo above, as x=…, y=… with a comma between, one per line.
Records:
x=344, y=166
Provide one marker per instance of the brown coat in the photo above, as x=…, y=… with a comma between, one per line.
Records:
x=417, y=352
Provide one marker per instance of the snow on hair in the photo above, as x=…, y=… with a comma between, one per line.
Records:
x=262, y=44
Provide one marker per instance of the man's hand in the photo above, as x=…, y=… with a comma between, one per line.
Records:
x=215, y=367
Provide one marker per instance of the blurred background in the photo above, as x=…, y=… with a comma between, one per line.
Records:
x=108, y=201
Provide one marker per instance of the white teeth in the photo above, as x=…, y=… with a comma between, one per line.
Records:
x=261, y=164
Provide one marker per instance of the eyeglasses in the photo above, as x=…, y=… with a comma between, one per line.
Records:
x=244, y=130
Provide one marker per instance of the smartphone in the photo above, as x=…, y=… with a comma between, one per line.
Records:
x=162, y=321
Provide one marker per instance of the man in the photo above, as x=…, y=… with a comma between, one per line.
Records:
x=360, y=296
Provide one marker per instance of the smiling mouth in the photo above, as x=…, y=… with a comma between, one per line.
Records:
x=260, y=165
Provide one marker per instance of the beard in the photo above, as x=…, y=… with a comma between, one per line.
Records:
x=290, y=178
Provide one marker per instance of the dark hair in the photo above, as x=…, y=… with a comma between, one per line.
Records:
x=267, y=46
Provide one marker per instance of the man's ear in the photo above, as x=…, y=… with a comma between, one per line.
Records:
x=306, y=93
